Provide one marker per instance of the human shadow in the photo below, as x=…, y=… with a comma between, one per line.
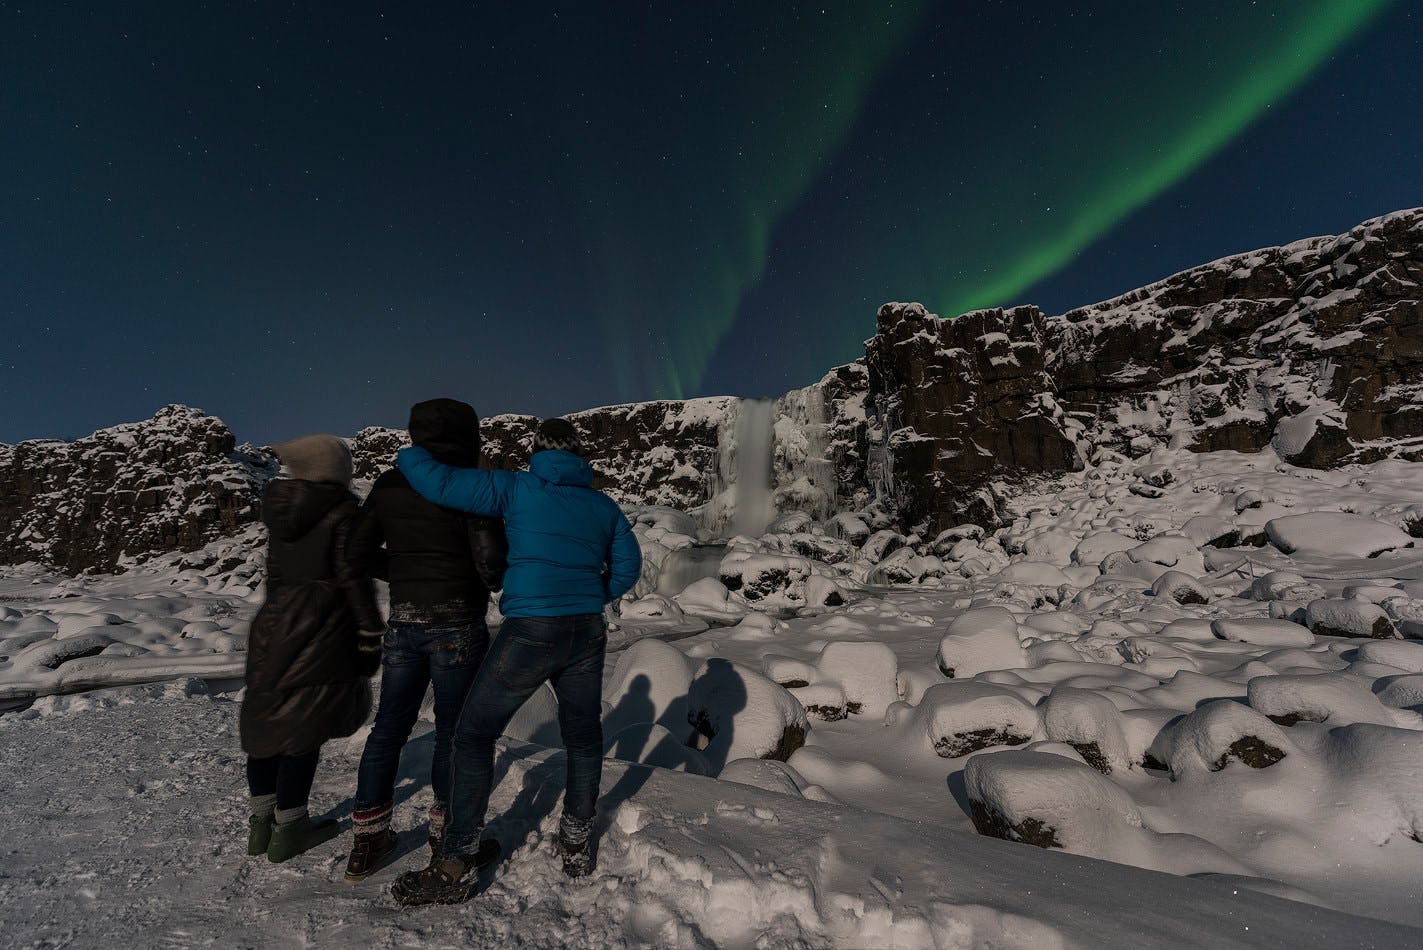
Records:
x=703, y=720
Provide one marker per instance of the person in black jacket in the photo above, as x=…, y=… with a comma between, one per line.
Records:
x=441, y=565
x=307, y=674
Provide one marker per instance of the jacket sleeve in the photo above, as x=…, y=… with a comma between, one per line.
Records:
x=625, y=558
x=365, y=543
x=473, y=490
x=361, y=596
x=489, y=549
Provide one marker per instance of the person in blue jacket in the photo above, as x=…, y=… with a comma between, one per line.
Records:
x=571, y=552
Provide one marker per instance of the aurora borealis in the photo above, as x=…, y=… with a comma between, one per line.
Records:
x=305, y=217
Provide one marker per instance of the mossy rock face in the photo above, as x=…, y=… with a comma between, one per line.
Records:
x=962, y=743
x=1186, y=595
x=793, y=738
x=827, y=713
x=1253, y=751
x=989, y=822
x=1092, y=754
x=1382, y=629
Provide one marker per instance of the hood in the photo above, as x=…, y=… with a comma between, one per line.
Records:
x=561, y=468
x=448, y=429
x=291, y=507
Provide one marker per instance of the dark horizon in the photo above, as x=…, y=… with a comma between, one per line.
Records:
x=306, y=220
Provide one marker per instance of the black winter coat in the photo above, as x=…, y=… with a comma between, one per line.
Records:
x=305, y=681
x=441, y=564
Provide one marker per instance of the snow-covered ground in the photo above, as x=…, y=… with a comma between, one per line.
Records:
x=1205, y=665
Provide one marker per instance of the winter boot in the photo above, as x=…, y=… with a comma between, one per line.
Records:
x=262, y=810
x=375, y=841
x=446, y=880
x=290, y=838
x=575, y=845
x=259, y=833
x=370, y=852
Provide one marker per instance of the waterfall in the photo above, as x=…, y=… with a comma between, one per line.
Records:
x=772, y=458
x=753, y=508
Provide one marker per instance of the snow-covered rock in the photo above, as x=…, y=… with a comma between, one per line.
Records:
x=1335, y=533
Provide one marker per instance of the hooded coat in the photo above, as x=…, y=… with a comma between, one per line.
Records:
x=571, y=549
x=305, y=681
x=441, y=563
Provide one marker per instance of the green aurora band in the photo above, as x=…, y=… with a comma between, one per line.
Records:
x=1319, y=29
x=1022, y=170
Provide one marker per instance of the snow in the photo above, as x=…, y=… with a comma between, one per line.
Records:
x=1214, y=737
x=1324, y=532
x=684, y=862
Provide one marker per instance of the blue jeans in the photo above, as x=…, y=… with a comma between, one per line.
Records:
x=568, y=651
x=414, y=655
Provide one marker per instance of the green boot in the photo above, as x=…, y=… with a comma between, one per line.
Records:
x=259, y=833
x=297, y=837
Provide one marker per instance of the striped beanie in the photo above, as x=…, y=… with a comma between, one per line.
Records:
x=557, y=433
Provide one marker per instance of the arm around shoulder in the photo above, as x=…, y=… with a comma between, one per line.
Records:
x=474, y=490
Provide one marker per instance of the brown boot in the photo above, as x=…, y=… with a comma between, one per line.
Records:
x=369, y=853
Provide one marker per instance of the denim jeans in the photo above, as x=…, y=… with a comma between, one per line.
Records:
x=414, y=655
x=568, y=651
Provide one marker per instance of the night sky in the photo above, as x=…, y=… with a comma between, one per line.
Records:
x=304, y=217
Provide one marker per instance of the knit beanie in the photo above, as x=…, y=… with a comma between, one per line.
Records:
x=557, y=433
x=317, y=458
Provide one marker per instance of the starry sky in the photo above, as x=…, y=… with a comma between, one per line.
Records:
x=306, y=216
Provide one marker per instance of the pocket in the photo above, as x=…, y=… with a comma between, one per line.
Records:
x=458, y=648
x=523, y=663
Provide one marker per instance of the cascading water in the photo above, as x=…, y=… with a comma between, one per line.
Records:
x=752, y=507
x=772, y=459
x=685, y=566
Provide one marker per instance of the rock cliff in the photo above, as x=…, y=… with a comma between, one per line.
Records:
x=1314, y=348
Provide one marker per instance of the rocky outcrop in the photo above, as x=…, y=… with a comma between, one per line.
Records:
x=171, y=483
x=1315, y=349
x=650, y=453
x=963, y=401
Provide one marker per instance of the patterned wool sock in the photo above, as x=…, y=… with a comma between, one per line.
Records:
x=263, y=806
x=373, y=820
x=574, y=832
x=437, y=821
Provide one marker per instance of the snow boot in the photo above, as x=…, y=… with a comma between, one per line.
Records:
x=297, y=837
x=259, y=834
x=575, y=845
x=446, y=880
x=370, y=852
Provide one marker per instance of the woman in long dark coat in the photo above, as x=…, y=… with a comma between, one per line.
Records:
x=315, y=643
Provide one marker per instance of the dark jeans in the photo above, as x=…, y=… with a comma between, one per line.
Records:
x=568, y=651
x=415, y=655
x=289, y=777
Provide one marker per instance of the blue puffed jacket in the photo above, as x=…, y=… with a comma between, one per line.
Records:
x=571, y=549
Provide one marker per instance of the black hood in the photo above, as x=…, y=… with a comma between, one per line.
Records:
x=448, y=429
x=291, y=507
